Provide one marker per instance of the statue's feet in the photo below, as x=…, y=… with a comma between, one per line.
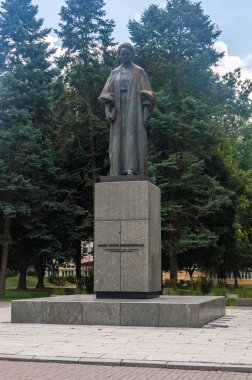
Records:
x=130, y=172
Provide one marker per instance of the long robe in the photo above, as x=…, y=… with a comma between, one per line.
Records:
x=127, y=94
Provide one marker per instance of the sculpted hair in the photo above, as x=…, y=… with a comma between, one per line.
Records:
x=126, y=45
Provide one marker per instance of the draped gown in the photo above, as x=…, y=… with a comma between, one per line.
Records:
x=128, y=90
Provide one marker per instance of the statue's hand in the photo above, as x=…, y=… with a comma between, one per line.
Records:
x=110, y=112
x=107, y=111
x=108, y=116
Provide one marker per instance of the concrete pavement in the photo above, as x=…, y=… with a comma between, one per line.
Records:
x=225, y=344
x=52, y=371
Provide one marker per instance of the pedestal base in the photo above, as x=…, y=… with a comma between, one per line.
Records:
x=127, y=238
x=165, y=311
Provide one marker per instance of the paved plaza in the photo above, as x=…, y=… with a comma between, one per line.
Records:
x=225, y=344
x=52, y=371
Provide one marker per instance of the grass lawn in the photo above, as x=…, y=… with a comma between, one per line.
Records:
x=241, y=291
x=12, y=293
x=31, y=282
x=11, y=282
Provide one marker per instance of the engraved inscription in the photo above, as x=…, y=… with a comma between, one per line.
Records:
x=121, y=247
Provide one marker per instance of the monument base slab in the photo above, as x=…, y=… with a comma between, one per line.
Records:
x=165, y=311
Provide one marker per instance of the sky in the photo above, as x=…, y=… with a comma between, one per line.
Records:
x=233, y=17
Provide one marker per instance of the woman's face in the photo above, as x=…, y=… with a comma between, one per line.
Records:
x=126, y=55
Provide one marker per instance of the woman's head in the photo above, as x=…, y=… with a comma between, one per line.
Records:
x=126, y=45
x=126, y=52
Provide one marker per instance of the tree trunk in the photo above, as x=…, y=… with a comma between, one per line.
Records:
x=191, y=275
x=78, y=261
x=22, y=277
x=5, y=253
x=236, y=282
x=191, y=271
x=174, y=271
x=41, y=274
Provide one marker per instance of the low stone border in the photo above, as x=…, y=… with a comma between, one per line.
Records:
x=197, y=366
x=244, y=302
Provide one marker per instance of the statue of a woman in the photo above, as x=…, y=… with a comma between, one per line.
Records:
x=128, y=98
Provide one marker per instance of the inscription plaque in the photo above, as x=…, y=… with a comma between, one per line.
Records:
x=121, y=247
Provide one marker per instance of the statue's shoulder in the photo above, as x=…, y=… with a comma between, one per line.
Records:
x=139, y=70
x=116, y=70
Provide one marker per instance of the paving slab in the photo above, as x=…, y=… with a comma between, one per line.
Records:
x=224, y=344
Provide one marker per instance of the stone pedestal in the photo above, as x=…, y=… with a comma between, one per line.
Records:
x=127, y=270
x=127, y=250
x=165, y=311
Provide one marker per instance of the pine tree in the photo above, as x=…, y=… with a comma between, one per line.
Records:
x=175, y=46
x=83, y=136
x=26, y=162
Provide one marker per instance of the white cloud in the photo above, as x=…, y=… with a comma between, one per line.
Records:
x=54, y=43
x=137, y=16
x=230, y=63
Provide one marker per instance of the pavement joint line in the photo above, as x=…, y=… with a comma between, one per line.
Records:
x=197, y=366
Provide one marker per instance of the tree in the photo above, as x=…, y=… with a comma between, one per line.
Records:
x=190, y=196
x=83, y=136
x=175, y=46
x=234, y=171
x=26, y=129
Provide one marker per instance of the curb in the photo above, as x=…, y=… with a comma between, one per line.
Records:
x=162, y=364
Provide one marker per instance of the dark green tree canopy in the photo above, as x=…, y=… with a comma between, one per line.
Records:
x=175, y=45
x=27, y=168
x=85, y=33
x=22, y=39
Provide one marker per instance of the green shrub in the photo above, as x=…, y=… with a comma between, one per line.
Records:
x=201, y=286
x=221, y=284
x=182, y=284
x=244, y=292
x=58, y=281
x=220, y=291
x=71, y=278
x=206, y=285
x=231, y=302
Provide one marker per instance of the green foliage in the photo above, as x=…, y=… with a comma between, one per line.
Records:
x=27, y=169
x=31, y=281
x=54, y=140
x=83, y=135
x=204, y=284
x=58, y=281
x=244, y=292
x=26, y=294
x=196, y=138
x=175, y=45
x=71, y=278
x=231, y=302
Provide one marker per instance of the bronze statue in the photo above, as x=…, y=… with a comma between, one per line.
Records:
x=128, y=98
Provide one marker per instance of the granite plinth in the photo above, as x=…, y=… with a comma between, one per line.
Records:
x=127, y=237
x=165, y=311
x=127, y=178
